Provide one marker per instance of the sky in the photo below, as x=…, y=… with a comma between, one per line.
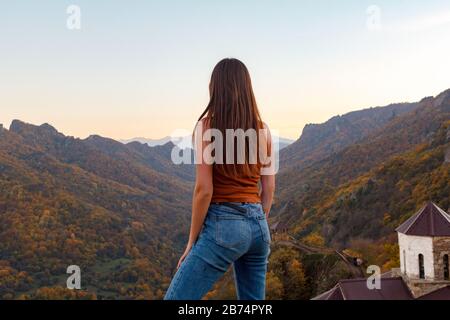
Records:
x=142, y=68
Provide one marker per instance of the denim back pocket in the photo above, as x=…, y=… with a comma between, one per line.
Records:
x=264, y=226
x=232, y=231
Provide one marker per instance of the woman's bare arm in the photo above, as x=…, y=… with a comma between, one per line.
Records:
x=267, y=191
x=202, y=191
x=268, y=177
x=201, y=200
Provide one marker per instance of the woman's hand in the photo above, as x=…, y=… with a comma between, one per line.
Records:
x=186, y=252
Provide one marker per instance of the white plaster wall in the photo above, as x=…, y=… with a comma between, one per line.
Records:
x=413, y=246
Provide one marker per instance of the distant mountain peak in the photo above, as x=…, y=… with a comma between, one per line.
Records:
x=149, y=142
x=21, y=127
x=17, y=125
x=144, y=145
x=442, y=98
x=107, y=145
x=96, y=137
x=429, y=98
x=48, y=127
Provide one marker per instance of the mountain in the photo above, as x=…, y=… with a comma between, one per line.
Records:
x=360, y=187
x=185, y=142
x=159, y=158
x=283, y=142
x=319, y=141
x=119, y=213
x=149, y=142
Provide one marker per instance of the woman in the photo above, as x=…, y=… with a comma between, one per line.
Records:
x=229, y=209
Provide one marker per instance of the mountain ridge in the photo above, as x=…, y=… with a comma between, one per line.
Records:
x=300, y=199
x=73, y=203
x=321, y=140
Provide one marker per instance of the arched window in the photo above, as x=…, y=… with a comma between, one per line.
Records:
x=421, y=267
x=446, y=269
x=404, y=261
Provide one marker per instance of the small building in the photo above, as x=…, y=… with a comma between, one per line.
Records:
x=424, y=243
x=279, y=227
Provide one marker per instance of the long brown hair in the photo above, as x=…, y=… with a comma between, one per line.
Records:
x=232, y=105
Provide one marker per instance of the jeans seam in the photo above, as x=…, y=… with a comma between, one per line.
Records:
x=265, y=235
x=251, y=236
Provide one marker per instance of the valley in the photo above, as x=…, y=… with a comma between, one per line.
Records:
x=121, y=210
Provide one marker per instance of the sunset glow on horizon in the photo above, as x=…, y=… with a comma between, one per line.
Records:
x=141, y=68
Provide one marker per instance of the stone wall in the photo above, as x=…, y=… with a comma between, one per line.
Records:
x=419, y=287
x=441, y=247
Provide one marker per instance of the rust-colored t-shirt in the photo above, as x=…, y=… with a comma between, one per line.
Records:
x=229, y=188
x=235, y=189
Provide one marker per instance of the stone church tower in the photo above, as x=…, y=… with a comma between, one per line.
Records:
x=424, y=242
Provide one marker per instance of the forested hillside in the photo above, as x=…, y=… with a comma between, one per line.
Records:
x=318, y=141
x=365, y=190
x=95, y=203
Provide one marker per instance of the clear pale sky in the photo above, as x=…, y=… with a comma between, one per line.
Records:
x=141, y=68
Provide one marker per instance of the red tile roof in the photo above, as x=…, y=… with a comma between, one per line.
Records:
x=332, y=294
x=430, y=220
x=391, y=289
x=356, y=289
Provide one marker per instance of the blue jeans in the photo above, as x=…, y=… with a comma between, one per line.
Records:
x=228, y=237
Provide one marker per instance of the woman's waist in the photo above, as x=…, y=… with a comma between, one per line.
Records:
x=230, y=193
x=237, y=208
